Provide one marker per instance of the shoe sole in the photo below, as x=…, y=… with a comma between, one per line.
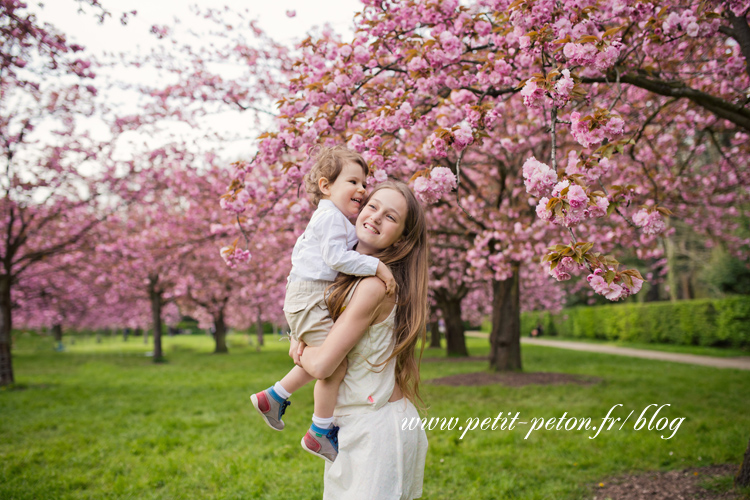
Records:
x=255, y=404
x=304, y=446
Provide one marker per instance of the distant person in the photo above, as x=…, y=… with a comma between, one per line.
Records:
x=337, y=185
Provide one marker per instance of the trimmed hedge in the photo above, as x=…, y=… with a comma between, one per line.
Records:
x=705, y=322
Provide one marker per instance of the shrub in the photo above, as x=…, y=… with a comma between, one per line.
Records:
x=706, y=322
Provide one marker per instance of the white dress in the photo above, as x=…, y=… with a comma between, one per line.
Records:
x=377, y=460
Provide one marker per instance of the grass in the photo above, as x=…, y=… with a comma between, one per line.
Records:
x=100, y=420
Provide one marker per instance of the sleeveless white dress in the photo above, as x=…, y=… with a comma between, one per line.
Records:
x=379, y=458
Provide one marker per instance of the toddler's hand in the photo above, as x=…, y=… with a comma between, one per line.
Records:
x=298, y=353
x=385, y=275
x=292, y=347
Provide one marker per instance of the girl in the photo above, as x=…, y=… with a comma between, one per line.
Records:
x=378, y=456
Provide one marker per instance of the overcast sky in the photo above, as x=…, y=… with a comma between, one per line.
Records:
x=271, y=15
x=136, y=38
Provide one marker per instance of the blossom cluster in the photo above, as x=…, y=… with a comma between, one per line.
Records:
x=236, y=203
x=615, y=290
x=564, y=269
x=538, y=177
x=233, y=255
x=589, y=131
x=430, y=189
x=575, y=203
x=650, y=222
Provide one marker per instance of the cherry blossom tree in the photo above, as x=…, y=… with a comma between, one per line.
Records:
x=542, y=120
x=59, y=182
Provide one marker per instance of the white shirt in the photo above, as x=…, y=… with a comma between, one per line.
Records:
x=325, y=248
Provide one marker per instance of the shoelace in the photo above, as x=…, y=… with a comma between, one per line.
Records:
x=284, y=404
x=333, y=436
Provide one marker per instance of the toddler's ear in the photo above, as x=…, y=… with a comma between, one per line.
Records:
x=324, y=186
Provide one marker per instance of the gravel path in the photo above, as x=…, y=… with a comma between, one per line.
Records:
x=738, y=363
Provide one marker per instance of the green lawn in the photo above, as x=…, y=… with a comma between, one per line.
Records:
x=102, y=421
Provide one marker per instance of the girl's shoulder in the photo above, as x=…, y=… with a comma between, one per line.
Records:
x=370, y=296
x=370, y=289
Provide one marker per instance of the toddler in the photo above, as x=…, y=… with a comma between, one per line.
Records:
x=336, y=184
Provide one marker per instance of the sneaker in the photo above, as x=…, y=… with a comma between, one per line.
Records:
x=322, y=442
x=271, y=407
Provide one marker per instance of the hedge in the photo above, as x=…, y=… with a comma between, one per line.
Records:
x=706, y=322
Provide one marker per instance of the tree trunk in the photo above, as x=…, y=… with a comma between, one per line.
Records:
x=687, y=287
x=505, y=338
x=156, y=303
x=671, y=268
x=434, y=334
x=259, y=329
x=454, y=325
x=57, y=333
x=6, y=362
x=220, y=337
x=743, y=475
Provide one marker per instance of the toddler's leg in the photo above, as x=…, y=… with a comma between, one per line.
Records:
x=326, y=392
x=322, y=438
x=295, y=379
x=272, y=403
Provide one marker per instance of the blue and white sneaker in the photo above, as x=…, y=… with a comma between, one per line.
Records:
x=322, y=443
x=271, y=407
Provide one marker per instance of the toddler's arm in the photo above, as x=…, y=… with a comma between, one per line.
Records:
x=332, y=235
x=385, y=275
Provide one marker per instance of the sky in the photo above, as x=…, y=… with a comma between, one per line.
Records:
x=271, y=16
x=112, y=37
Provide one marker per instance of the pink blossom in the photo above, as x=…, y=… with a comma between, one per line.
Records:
x=582, y=131
x=577, y=197
x=538, y=177
x=600, y=286
x=650, y=222
x=380, y=176
x=565, y=84
x=532, y=94
x=424, y=190
x=564, y=268
x=541, y=210
x=483, y=28
x=637, y=284
x=232, y=256
x=444, y=179
x=462, y=138
x=439, y=145
x=321, y=125
x=441, y=181
x=614, y=127
x=291, y=13
x=599, y=209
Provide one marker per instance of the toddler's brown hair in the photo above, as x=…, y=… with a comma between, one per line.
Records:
x=328, y=163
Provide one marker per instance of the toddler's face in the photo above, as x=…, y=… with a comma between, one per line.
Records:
x=349, y=190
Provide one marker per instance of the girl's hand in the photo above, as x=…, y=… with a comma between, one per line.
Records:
x=298, y=353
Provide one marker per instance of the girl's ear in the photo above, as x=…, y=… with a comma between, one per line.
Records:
x=324, y=186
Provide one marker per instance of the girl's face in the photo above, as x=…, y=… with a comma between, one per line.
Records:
x=381, y=222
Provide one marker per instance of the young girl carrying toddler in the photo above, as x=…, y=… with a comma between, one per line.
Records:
x=337, y=185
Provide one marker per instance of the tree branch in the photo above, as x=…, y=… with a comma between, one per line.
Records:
x=735, y=113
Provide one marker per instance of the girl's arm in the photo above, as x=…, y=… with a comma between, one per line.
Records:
x=363, y=309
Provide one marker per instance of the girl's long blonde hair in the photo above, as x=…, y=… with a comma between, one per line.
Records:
x=408, y=261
